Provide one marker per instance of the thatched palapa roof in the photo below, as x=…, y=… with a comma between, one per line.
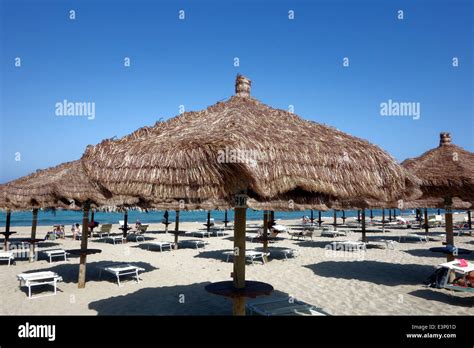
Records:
x=243, y=144
x=445, y=171
x=64, y=186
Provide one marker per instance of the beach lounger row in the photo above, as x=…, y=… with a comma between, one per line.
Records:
x=37, y=279
x=250, y=255
x=7, y=256
x=282, y=306
x=120, y=270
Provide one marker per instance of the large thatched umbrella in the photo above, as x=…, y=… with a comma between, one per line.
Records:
x=67, y=187
x=446, y=172
x=228, y=150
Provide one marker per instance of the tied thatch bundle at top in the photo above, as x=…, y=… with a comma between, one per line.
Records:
x=65, y=187
x=445, y=171
x=244, y=145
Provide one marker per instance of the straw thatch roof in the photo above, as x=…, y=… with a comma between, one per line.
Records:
x=437, y=203
x=65, y=187
x=445, y=171
x=243, y=144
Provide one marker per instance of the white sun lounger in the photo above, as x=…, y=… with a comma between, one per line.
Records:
x=282, y=306
x=56, y=253
x=161, y=245
x=349, y=245
x=122, y=270
x=417, y=237
x=250, y=255
x=39, y=278
x=332, y=233
x=7, y=256
x=202, y=234
x=194, y=243
x=115, y=239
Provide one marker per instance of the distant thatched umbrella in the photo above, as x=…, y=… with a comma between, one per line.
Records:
x=446, y=172
x=228, y=149
x=64, y=186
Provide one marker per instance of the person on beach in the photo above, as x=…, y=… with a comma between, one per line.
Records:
x=137, y=224
x=76, y=231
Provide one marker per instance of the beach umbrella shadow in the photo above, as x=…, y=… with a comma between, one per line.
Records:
x=440, y=295
x=70, y=271
x=190, y=299
x=382, y=273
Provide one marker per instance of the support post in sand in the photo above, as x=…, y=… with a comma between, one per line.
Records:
x=7, y=228
x=358, y=215
x=33, y=234
x=426, y=222
x=312, y=217
x=81, y=283
x=469, y=220
x=125, y=224
x=344, y=217
x=225, y=218
x=319, y=218
x=265, y=231
x=239, y=251
x=383, y=220
x=395, y=213
x=364, y=237
x=176, y=230
x=208, y=220
x=335, y=219
x=449, y=226
x=371, y=215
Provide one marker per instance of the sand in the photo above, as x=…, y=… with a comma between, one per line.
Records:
x=374, y=282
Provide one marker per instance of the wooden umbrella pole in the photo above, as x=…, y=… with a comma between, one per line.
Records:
x=319, y=218
x=426, y=222
x=449, y=226
x=383, y=219
x=395, y=214
x=469, y=220
x=239, y=258
x=81, y=282
x=265, y=231
x=208, y=220
x=312, y=217
x=364, y=238
x=176, y=230
x=33, y=234
x=335, y=219
x=371, y=215
x=125, y=224
x=390, y=215
x=358, y=215
x=7, y=222
x=344, y=217
x=7, y=228
x=225, y=218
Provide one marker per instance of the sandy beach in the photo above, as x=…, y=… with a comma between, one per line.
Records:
x=371, y=282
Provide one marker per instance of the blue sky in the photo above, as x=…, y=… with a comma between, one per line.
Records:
x=190, y=62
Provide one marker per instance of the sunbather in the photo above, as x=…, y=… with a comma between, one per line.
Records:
x=76, y=231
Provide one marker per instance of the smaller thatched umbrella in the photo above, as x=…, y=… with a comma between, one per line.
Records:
x=446, y=172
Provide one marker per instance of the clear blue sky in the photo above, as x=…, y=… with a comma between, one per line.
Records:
x=190, y=62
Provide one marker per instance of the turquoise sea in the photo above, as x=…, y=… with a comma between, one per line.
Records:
x=49, y=218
